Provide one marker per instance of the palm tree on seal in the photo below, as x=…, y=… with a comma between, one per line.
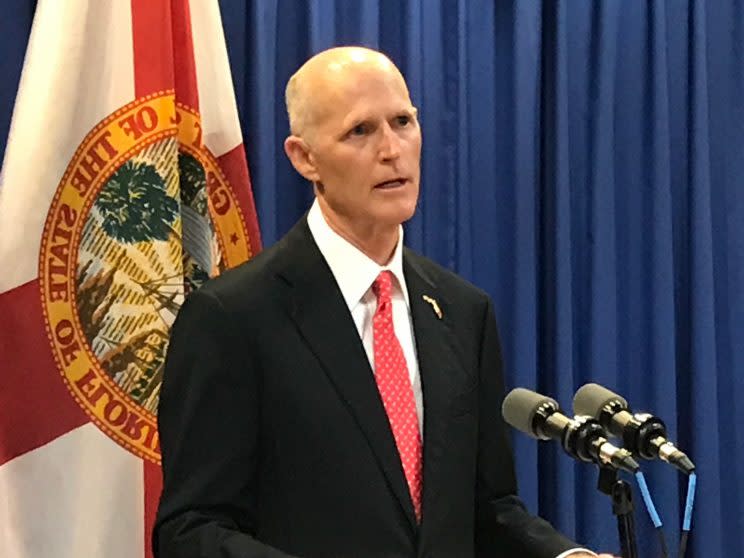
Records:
x=135, y=205
x=201, y=255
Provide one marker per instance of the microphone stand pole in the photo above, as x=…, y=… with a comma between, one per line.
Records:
x=622, y=507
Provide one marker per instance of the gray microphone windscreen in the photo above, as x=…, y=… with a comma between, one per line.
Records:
x=521, y=405
x=590, y=399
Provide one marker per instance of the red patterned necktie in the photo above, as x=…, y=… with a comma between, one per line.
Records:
x=394, y=384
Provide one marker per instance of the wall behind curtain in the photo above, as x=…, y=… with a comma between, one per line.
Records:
x=584, y=164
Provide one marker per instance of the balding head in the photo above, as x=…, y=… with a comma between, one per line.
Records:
x=356, y=138
x=310, y=91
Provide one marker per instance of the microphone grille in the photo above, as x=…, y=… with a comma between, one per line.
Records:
x=590, y=399
x=520, y=407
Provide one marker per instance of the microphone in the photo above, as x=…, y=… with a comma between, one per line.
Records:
x=643, y=434
x=582, y=438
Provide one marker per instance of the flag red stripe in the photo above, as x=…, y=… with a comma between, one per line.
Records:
x=163, y=50
x=153, y=47
x=35, y=405
x=153, y=487
x=187, y=91
x=161, y=32
x=234, y=165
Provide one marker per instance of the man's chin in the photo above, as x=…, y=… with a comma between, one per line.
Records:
x=397, y=213
x=394, y=218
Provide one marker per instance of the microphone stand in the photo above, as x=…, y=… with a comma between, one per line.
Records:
x=622, y=507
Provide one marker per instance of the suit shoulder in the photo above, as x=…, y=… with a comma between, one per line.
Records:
x=447, y=280
x=243, y=282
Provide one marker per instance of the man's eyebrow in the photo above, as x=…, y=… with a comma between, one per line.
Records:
x=356, y=119
x=356, y=122
x=366, y=117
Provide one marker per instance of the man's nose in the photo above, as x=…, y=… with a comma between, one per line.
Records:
x=389, y=143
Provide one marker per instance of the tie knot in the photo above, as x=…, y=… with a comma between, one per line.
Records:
x=383, y=286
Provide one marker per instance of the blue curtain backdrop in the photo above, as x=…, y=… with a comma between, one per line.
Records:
x=584, y=164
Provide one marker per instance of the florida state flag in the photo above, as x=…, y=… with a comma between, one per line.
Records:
x=124, y=187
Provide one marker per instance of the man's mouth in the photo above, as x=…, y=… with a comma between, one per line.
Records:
x=390, y=184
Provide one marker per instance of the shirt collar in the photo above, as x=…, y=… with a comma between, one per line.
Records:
x=353, y=270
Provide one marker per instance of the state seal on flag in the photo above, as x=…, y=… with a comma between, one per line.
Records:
x=142, y=215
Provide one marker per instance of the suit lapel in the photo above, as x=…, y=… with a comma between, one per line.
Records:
x=322, y=317
x=439, y=368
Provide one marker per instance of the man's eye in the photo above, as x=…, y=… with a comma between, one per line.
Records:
x=403, y=120
x=359, y=130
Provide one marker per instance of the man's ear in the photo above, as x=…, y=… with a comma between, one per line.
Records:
x=301, y=158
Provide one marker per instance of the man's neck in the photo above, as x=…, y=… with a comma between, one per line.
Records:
x=377, y=242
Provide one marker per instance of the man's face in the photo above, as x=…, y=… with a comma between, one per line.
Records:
x=366, y=147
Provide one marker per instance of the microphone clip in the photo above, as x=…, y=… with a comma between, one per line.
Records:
x=641, y=432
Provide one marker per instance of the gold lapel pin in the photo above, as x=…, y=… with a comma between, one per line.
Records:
x=434, y=305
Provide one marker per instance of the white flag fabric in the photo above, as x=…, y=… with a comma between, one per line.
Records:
x=124, y=186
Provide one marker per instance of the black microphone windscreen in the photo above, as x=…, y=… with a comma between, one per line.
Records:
x=590, y=399
x=521, y=405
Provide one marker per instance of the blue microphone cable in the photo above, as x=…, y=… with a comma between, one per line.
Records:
x=651, y=509
x=687, y=522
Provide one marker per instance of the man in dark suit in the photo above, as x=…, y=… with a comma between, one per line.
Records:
x=338, y=396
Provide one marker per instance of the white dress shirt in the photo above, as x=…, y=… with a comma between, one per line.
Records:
x=355, y=272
